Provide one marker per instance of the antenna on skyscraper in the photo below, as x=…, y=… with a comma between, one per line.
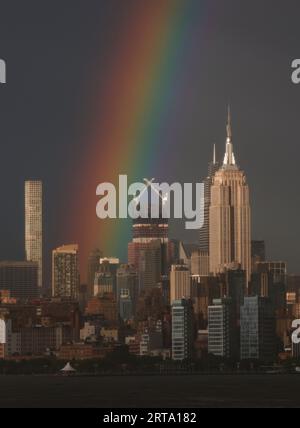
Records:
x=214, y=156
x=229, y=129
x=229, y=158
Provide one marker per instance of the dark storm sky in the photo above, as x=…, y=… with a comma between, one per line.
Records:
x=50, y=47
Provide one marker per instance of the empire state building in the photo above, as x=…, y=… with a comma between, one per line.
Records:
x=230, y=214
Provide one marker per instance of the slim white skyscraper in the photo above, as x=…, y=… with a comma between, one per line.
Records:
x=34, y=225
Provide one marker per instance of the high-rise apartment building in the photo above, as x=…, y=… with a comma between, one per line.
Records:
x=222, y=340
x=261, y=284
x=234, y=285
x=110, y=264
x=127, y=290
x=105, y=278
x=125, y=305
x=200, y=263
x=258, y=333
x=150, y=263
x=205, y=289
x=65, y=271
x=148, y=233
x=229, y=214
x=34, y=225
x=93, y=268
x=278, y=286
x=182, y=329
x=103, y=284
x=180, y=282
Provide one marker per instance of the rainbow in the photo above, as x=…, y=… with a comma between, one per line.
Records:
x=130, y=106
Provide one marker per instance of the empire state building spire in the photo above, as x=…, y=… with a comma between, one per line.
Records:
x=228, y=127
x=215, y=156
x=229, y=158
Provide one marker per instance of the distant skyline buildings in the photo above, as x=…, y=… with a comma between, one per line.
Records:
x=144, y=103
x=181, y=287
x=34, y=225
x=146, y=231
x=258, y=250
x=19, y=279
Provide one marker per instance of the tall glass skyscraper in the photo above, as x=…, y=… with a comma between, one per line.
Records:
x=34, y=225
x=258, y=332
x=182, y=329
x=204, y=231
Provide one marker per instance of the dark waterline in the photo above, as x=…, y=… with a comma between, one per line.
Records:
x=145, y=391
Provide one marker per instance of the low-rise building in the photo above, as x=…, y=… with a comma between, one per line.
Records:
x=82, y=351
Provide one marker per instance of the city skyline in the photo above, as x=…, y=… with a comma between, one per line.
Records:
x=149, y=223
x=34, y=199
x=219, y=52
